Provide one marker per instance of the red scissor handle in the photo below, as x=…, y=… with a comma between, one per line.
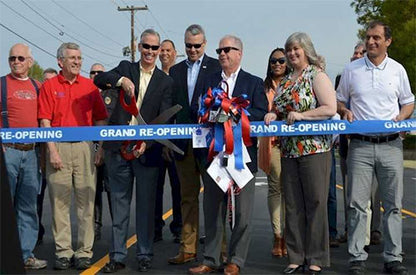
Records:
x=132, y=107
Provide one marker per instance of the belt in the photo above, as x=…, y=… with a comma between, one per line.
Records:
x=377, y=139
x=21, y=146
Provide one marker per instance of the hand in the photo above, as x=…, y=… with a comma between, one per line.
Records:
x=167, y=154
x=99, y=157
x=55, y=160
x=127, y=86
x=137, y=152
x=269, y=117
x=347, y=115
x=293, y=116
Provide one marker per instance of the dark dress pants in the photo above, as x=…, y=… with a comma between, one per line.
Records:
x=122, y=175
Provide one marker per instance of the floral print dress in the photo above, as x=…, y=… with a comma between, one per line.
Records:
x=298, y=95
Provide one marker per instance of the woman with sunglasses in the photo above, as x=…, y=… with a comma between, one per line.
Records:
x=306, y=93
x=269, y=154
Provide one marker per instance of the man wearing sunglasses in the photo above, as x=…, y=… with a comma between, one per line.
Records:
x=19, y=99
x=230, y=52
x=152, y=89
x=188, y=77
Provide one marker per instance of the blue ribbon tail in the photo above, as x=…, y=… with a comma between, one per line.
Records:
x=219, y=137
x=238, y=147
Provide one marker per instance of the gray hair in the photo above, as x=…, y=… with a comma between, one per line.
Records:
x=66, y=46
x=195, y=29
x=29, y=50
x=97, y=64
x=360, y=44
x=149, y=32
x=50, y=71
x=237, y=41
x=304, y=40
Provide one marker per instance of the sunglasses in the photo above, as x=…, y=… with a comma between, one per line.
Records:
x=226, y=49
x=20, y=58
x=190, y=45
x=95, y=72
x=274, y=61
x=153, y=47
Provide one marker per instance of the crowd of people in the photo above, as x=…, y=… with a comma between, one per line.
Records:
x=300, y=169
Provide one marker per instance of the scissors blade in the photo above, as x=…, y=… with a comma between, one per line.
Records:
x=170, y=145
x=166, y=115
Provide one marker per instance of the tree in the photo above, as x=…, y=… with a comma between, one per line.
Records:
x=36, y=72
x=401, y=17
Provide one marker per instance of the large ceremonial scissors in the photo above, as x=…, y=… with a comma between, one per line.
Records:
x=127, y=149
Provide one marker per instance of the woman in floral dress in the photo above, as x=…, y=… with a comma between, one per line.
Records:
x=306, y=93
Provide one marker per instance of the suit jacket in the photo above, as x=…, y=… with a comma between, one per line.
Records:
x=179, y=74
x=252, y=86
x=158, y=98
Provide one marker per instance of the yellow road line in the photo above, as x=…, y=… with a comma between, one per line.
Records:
x=97, y=266
x=404, y=211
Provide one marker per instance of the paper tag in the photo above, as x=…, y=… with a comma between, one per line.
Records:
x=199, y=138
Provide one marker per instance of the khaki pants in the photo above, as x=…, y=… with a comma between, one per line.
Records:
x=275, y=199
x=78, y=175
x=189, y=177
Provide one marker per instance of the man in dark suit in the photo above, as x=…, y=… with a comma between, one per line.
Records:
x=188, y=77
x=152, y=89
x=239, y=82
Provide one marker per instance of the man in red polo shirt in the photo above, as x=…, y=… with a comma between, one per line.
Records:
x=71, y=100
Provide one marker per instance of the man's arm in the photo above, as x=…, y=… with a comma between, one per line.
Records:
x=115, y=78
x=405, y=112
x=258, y=104
x=54, y=157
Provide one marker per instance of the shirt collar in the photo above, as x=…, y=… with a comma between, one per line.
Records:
x=233, y=76
x=62, y=79
x=143, y=71
x=190, y=63
x=371, y=66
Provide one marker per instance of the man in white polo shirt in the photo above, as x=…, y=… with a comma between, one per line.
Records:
x=377, y=88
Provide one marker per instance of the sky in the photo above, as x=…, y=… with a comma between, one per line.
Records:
x=102, y=31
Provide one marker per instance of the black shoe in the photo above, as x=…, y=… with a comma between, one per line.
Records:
x=333, y=242
x=158, y=236
x=63, y=263
x=113, y=266
x=144, y=265
x=395, y=267
x=176, y=237
x=357, y=268
x=82, y=263
x=294, y=270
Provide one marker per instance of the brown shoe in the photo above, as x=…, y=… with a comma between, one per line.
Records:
x=284, y=249
x=231, y=269
x=277, y=246
x=182, y=258
x=201, y=269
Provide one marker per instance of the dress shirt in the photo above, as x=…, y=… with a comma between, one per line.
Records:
x=145, y=76
x=192, y=75
x=230, y=81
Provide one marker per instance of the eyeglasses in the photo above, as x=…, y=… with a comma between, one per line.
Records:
x=226, y=49
x=95, y=72
x=274, y=61
x=153, y=47
x=196, y=46
x=20, y=58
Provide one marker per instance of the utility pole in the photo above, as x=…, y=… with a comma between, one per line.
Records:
x=132, y=9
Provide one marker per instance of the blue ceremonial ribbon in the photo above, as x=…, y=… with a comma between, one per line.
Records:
x=219, y=137
x=184, y=131
x=238, y=147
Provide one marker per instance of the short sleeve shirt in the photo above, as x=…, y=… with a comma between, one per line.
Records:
x=71, y=105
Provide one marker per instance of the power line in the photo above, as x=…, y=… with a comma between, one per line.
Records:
x=33, y=6
x=157, y=21
x=86, y=23
x=30, y=42
x=30, y=21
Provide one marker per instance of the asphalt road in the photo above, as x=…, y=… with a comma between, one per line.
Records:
x=259, y=259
